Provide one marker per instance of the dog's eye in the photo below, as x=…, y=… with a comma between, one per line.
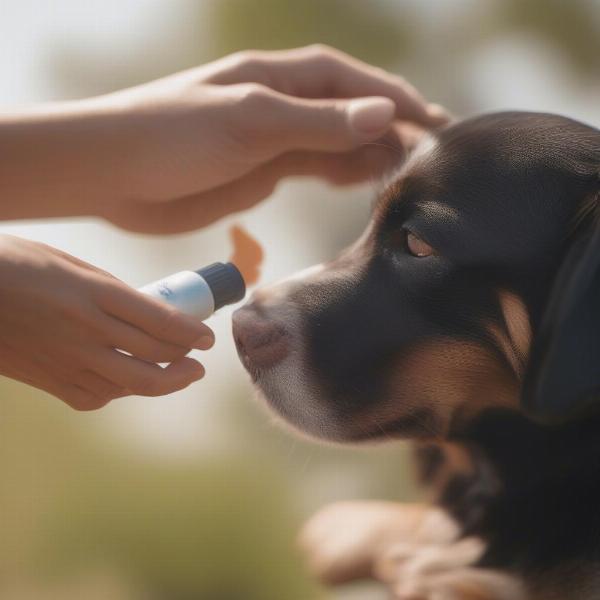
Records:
x=416, y=246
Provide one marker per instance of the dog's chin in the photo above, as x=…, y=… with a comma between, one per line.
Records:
x=288, y=384
x=302, y=406
x=295, y=402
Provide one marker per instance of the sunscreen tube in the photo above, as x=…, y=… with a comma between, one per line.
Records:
x=200, y=293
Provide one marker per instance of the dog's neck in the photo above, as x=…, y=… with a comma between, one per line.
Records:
x=540, y=480
x=523, y=451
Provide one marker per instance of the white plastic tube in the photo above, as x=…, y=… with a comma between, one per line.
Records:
x=200, y=293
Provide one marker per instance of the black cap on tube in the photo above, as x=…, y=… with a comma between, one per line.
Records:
x=225, y=281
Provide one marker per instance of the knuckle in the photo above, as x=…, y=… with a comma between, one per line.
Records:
x=254, y=95
x=324, y=54
x=258, y=117
x=320, y=49
x=246, y=58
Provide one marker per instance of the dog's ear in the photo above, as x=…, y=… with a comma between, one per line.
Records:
x=563, y=375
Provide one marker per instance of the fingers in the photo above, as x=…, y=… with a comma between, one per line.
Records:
x=151, y=332
x=322, y=72
x=197, y=210
x=90, y=391
x=142, y=378
x=368, y=161
x=155, y=318
x=141, y=345
x=73, y=342
x=111, y=374
x=98, y=386
x=324, y=125
x=269, y=123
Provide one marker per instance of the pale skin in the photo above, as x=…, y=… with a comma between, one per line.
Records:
x=165, y=157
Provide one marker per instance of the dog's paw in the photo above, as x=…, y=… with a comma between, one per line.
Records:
x=342, y=540
x=345, y=540
x=416, y=559
x=445, y=572
x=461, y=584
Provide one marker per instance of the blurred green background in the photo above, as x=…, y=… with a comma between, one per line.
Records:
x=199, y=495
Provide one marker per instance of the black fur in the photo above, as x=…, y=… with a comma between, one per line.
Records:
x=540, y=508
x=509, y=201
x=502, y=198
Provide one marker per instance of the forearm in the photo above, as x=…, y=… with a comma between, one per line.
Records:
x=61, y=159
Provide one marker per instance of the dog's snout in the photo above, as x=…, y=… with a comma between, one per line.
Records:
x=261, y=342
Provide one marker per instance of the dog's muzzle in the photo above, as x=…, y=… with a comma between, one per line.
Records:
x=261, y=342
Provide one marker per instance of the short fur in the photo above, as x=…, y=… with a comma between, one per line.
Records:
x=446, y=349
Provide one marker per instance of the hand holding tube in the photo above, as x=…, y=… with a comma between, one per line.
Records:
x=85, y=337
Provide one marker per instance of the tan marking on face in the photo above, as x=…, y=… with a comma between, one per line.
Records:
x=452, y=380
x=456, y=461
x=514, y=338
x=503, y=340
x=416, y=161
x=517, y=322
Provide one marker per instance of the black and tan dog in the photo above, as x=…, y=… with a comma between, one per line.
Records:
x=474, y=289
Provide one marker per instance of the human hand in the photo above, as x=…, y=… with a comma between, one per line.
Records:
x=216, y=139
x=65, y=327
x=181, y=152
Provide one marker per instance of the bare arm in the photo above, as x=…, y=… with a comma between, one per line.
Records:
x=178, y=153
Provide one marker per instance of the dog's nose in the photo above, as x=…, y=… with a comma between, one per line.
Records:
x=261, y=342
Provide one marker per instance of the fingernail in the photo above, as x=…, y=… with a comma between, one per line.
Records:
x=371, y=116
x=437, y=113
x=204, y=342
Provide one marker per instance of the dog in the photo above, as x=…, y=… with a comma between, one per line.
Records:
x=466, y=318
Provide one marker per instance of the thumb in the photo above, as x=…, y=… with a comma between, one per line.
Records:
x=327, y=125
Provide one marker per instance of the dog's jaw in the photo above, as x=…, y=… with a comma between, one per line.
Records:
x=287, y=386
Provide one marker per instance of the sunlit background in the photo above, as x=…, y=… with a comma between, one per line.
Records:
x=199, y=495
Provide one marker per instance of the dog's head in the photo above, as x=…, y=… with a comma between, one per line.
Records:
x=434, y=313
